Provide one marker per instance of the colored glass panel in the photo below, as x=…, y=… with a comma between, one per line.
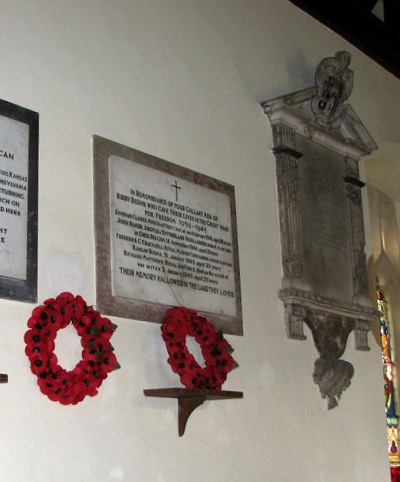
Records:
x=388, y=376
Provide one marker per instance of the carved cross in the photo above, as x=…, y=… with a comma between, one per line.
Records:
x=176, y=187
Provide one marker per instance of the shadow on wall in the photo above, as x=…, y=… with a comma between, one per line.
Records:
x=385, y=259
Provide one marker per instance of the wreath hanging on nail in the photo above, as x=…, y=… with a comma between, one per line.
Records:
x=98, y=358
x=181, y=322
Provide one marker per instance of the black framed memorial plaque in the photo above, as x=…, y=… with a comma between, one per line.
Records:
x=19, y=140
x=165, y=236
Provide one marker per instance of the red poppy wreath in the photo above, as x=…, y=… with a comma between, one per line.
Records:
x=181, y=322
x=98, y=359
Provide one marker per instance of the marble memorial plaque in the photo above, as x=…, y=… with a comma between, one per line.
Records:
x=14, y=138
x=165, y=236
x=18, y=202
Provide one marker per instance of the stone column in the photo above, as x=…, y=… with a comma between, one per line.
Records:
x=287, y=175
x=360, y=277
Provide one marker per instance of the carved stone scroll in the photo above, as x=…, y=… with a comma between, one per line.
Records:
x=334, y=83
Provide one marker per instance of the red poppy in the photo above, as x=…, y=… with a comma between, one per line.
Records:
x=174, y=330
x=225, y=362
x=190, y=380
x=109, y=362
x=105, y=328
x=33, y=337
x=38, y=362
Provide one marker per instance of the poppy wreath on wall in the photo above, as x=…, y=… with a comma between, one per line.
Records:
x=181, y=322
x=98, y=359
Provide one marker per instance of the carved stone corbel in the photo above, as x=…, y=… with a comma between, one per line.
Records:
x=332, y=376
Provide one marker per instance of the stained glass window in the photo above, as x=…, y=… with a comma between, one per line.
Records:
x=388, y=376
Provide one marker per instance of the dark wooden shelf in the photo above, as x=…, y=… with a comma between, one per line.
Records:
x=189, y=400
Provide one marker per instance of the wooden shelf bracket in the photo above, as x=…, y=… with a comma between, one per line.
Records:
x=189, y=400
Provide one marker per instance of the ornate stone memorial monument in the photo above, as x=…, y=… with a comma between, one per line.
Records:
x=318, y=141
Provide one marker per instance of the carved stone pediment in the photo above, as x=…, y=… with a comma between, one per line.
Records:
x=318, y=142
x=338, y=127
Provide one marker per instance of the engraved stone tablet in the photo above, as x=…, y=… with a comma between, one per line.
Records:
x=165, y=236
x=18, y=202
x=325, y=223
x=14, y=144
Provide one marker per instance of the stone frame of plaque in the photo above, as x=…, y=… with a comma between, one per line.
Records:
x=165, y=236
x=318, y=141
x=19, y=146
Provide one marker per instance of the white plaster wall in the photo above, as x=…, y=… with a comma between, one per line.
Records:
x=182, y=80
